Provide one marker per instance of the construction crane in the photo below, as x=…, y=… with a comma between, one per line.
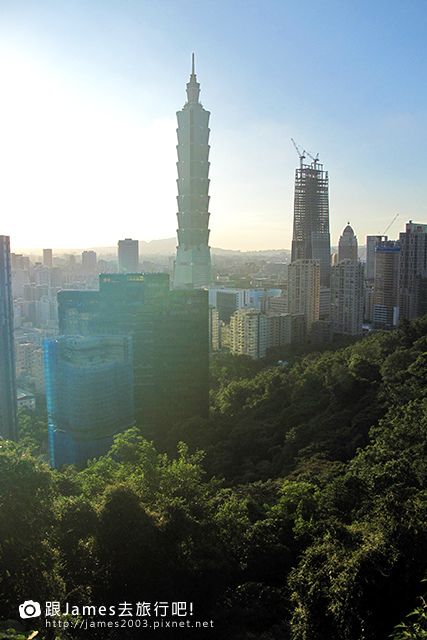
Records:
x=380, y=235
x=388, y=227
x=299, y=152
x=303, y=154
x=316, y=159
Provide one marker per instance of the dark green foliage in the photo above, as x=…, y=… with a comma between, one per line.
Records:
x=14, y=630
x=369, y=550
x=126, y=547
x=76, y=523
x=319, y=529
x=28, y=559
x=264, y=424
x=32, y=427
x=225, y=368
x=415, y=626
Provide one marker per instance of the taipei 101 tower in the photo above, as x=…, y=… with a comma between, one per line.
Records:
x=193, y=259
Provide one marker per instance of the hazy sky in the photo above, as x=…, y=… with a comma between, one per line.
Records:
x=90, y=88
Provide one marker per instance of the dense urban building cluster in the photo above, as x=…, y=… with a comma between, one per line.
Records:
x=111, y=344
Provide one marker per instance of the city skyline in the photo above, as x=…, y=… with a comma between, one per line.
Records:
x=88, y=126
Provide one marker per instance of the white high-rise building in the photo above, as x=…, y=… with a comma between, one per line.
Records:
x=248, y=331
x=41, y=275
x=347, y=289
x=214, y=329
x=19, y=278
x=47, y=258
x=304, y=290
x=193, y=259
x=89, y=262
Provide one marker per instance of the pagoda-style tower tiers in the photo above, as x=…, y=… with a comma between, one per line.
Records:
x=193, y=258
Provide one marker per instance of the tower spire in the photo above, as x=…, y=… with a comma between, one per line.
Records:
x=193, y=87
x=193, y=259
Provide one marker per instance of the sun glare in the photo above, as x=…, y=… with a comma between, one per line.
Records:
x=81, y=173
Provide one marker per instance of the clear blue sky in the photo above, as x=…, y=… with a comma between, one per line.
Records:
x=90, y=89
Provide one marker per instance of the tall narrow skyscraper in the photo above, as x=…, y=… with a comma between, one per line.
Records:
x=89, y=262
x=304, y=290
x=412, y=286
x=347, y=245
x=193, y=259
x=311, y=239
x=47, y=258
x=8, y=419
x=372, y=242
x=347, y=279
x=386, y=308
x=128, y=256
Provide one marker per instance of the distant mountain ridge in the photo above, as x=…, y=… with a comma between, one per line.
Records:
x=167, y=247
x=161, y=247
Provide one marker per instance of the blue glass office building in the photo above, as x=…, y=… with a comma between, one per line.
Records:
x=89, y=388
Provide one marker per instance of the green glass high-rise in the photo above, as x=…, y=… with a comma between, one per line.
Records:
x=169, y=331
x=193, y=259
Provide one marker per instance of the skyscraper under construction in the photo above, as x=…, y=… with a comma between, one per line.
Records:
x=311, y=239
x=193, y=259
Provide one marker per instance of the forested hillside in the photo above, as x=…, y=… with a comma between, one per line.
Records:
x=304, y=519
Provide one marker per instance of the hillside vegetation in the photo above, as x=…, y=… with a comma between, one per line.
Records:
x=305, y=518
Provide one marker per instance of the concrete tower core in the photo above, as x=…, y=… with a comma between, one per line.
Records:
x=310, y=238
x=193, y=259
